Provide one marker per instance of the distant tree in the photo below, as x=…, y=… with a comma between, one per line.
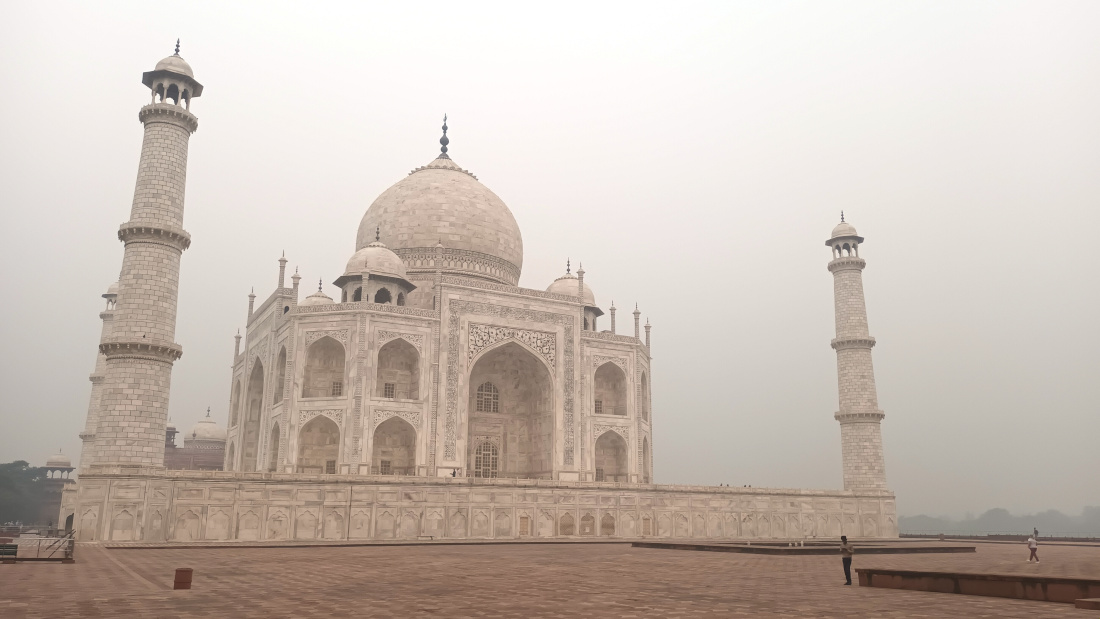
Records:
x=20, y=491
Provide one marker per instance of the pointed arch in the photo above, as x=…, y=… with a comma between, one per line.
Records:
x=254, y=408
x=324, y=369
x=398, y=375
x=280, y=377
x=643, y=396
x=394, y=448
x=611, y=457
x=318, y=446
x=519, y=405
x=609, y=390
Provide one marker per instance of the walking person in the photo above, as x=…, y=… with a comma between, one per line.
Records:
x=846, y=551
x=1033, y=544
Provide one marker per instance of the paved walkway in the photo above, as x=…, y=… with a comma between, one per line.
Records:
x=575, y=580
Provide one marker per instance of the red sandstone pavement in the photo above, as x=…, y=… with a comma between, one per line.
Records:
x=537, y=580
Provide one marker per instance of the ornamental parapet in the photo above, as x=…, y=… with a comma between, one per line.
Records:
x=610, y=337
x=136, y=232
x=172, y=114
x=873, y=416
x=363, y=306
x=526, y=292
x=844, y=343
x=164, y=352
x=847, y=263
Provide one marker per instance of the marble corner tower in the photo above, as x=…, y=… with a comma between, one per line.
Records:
x=859, y=416
x=87, y=437
x=140, y=350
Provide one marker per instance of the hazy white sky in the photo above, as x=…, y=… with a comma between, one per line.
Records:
x=694, y=156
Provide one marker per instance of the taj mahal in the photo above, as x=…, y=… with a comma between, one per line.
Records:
x=425, y=395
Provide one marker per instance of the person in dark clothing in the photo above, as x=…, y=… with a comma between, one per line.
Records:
x=846, y=551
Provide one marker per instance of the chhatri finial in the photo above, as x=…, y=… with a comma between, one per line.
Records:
x=841, y=216
x=319, y=284
x=177, y=47
x=443, y=140
x=377, y=234
x=207, y=411
x=567, y=266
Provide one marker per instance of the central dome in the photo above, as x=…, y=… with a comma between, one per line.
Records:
x=442, y=203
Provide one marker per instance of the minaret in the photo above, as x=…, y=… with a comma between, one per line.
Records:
x=637, y=323
x=859, y=415
x=141, y=349
x=94, y=402
x=612, y=317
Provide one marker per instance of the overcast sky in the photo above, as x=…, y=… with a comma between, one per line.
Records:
x=694, y=156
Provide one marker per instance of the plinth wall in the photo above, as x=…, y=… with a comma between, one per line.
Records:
x=154, y=505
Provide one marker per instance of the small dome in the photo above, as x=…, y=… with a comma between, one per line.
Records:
x=112, y=291
x=206, y=430
x=567, y=285
x=378, y=259
x=58, y=460
x=844, y=229
x=175, y=64
x=317, y=298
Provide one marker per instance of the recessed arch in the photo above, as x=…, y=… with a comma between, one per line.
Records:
x=324, y=372
x=487, y=398
x=611, y=457
x=235, y=402
x=394, y=450
x=280, y=377
x=273, y=449
x=609, y=390
x=382, y=295
x=486, y=460
x=398, y=373
x=522, y=422
x=318, y=446
x=643, y=396
x=253, y=409
x=645, y=461
x=358, y=294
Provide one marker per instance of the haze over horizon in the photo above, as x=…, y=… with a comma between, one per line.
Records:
x=694, y=158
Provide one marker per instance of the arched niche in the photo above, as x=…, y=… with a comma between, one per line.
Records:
x=254, y=400
x=273, y=449
x=522, y=422
x=324, y=372
x=318, y=446
x=643, y=397
x=645, y=461
x=280, y=377
x=398, y=375
x=235, y=403
x=611, y=457
x=394, y=450
x=609, y=390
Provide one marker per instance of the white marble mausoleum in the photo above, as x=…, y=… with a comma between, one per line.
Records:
x=422, y=392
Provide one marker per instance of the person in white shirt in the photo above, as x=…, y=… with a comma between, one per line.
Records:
x=1034, y=546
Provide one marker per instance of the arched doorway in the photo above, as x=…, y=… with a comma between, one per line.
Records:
x=398, y=371
x=511, y=404
x=324, y=375
x=394, y=448
x=486, y=460
x=254, y=401
x=318, y=446
x=609, y=390
x=273, y=449
x=611, y=457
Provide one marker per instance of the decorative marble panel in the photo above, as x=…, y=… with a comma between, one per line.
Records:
x=484, y=336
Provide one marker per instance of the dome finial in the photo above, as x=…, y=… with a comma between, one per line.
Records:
x=177, y=47
x=444, y=141
x=567, y=266
x=319, y=284
x=377, y=234
x=208, y=412
x=841, y=216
